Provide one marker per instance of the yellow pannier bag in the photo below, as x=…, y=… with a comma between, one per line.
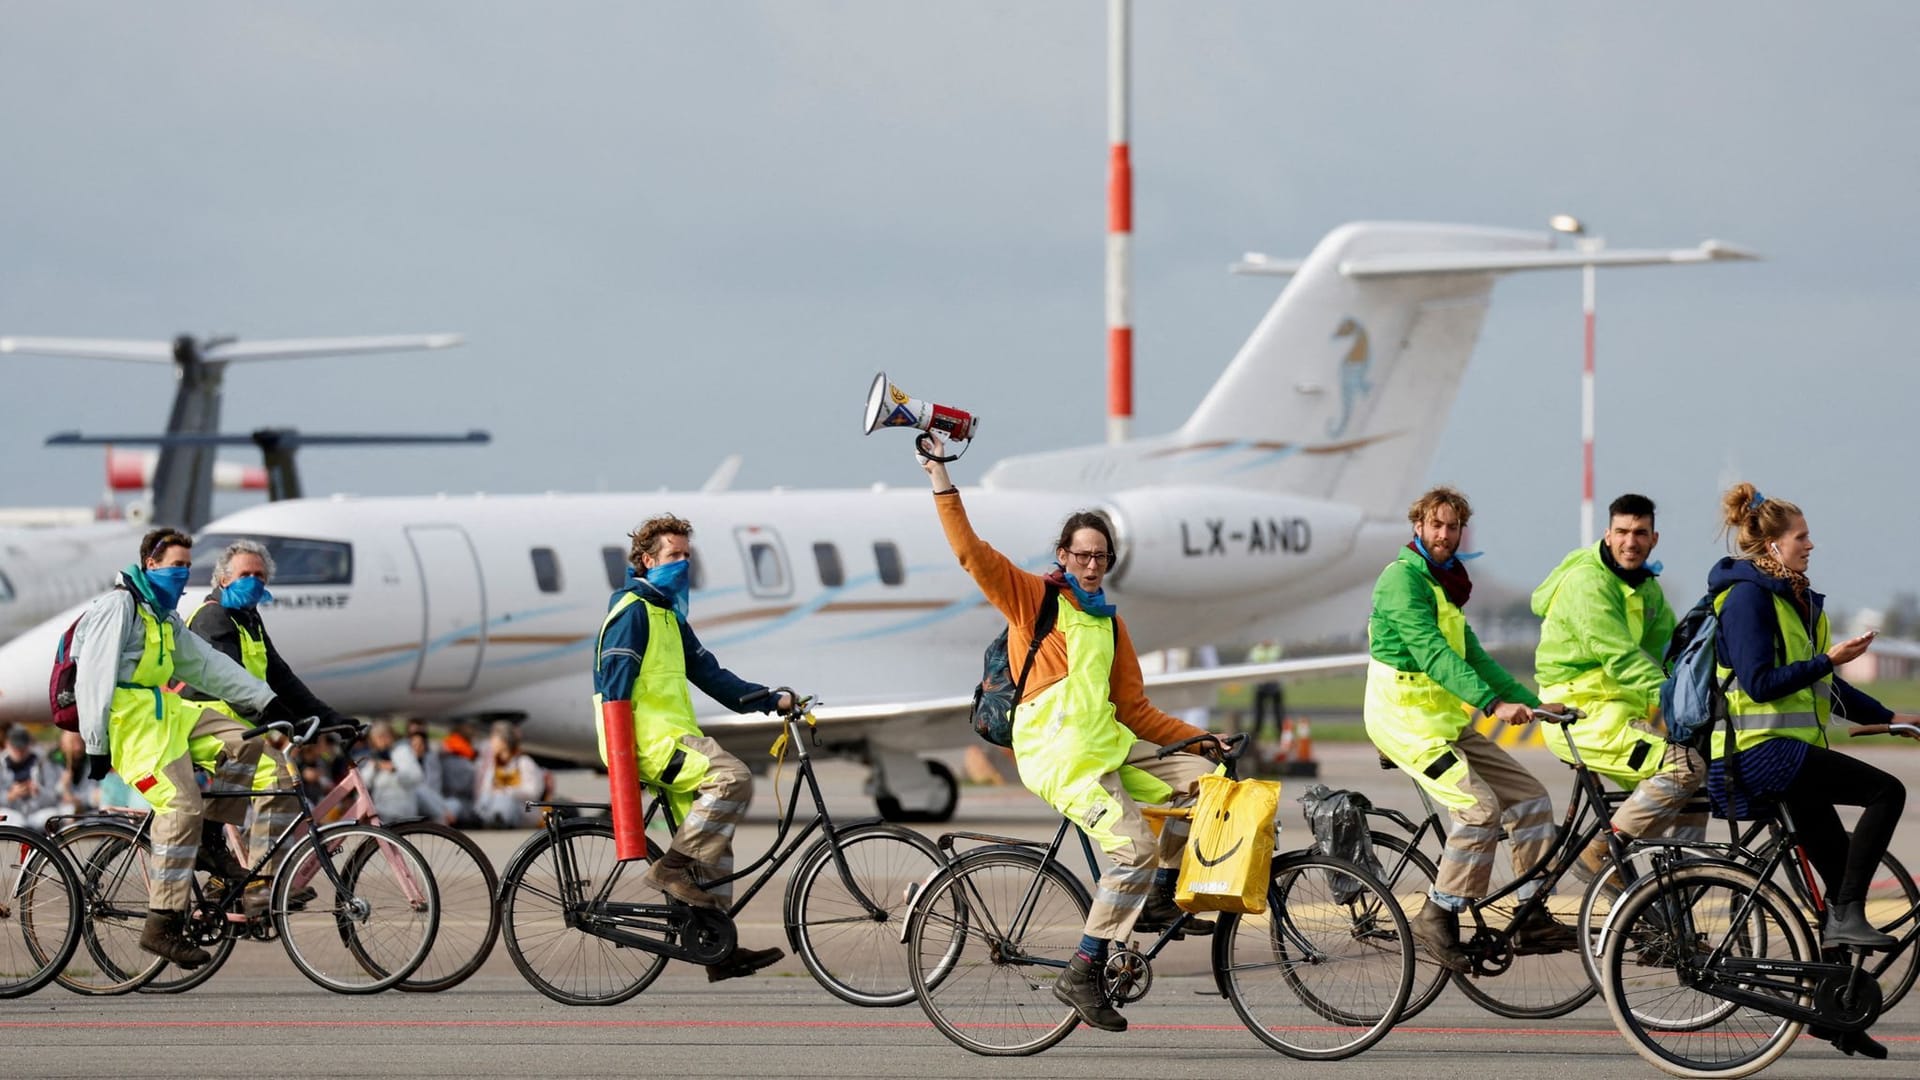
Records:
x=1229, y=861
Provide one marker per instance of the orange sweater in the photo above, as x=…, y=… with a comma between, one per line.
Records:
x=1017, y=594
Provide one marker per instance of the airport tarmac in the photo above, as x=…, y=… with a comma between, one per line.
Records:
x=261, y=1018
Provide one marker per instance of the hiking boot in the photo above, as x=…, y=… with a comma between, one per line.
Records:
x=1437, y=930
x=743, y=962
x=677, y=882
x=1541, y=933
x=1160, y=912
x=215, y=857
x=1079, y=986
x=164, y=937
x=1592, y=860
x=1847, y=925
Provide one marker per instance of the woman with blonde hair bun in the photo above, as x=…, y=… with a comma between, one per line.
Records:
x=1775, y=643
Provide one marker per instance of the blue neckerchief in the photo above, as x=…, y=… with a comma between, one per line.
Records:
x=167, y=584
x=1093, y=603
x=243, y=593
x=1458, y=556
x=671, y=580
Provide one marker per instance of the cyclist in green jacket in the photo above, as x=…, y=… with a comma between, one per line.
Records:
x=1604, y=629
x=1426, y=676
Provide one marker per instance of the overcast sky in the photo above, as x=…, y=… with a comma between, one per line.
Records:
x=674, y=232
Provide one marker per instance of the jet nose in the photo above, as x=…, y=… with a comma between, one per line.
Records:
x=26, y=663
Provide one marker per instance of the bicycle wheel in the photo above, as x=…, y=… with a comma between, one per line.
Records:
x=111, y=861
x=469, y=921
x=561, y=960
x=857, y=955
x=1536, y=987
x=986, y=940
x=40, y=912
x=1324, y=973
x=1408, y=875
x=1664, y=924
x=1893, y=903
x=371, y=929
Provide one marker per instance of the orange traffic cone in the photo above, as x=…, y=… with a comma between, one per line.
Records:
x=1302, y=762
x=1284, y=752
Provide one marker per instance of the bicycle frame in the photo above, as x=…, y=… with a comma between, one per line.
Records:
x=778, y=852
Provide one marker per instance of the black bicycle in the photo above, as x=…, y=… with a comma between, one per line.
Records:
x=584, y=929
x=1323, y=974
x=1503, y=979
x=368, y=924
x=40, y=911
x=1712, y=970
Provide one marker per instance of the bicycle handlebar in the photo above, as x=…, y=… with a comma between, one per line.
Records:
x=1883, y=729
x=800, y=702
x=1563, y=719
x=1230, y=747
x=312, y=727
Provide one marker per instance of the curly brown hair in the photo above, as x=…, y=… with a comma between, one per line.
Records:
x=159, y=540
x=1435, y=498
x=646, y=538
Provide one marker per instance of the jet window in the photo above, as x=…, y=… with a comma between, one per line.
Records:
x=696, y=574
x=6, y=587
x=296, y=560
x=887, y=554
x=768, y=574
x=546, y=569
x=616, y=560
x=827, y=557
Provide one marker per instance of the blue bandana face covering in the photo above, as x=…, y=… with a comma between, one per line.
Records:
x=671, y=578
x=1093, y=603
x=168, y=584
x=244, y=593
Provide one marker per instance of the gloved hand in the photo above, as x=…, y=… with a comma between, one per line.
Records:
x=98, y=766
x=280, y=709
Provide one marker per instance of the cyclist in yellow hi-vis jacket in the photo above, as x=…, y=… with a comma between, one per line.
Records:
x=1604, y=629
x=644, y=659
x=230, y=621
x=129, y=646
x=1426, y=669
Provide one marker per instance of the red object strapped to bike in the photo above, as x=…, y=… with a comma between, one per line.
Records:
x=623, y=777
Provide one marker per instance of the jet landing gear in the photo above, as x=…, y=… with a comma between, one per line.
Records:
x=907, y=787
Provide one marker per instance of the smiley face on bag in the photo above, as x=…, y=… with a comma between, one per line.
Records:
x=1222, y=829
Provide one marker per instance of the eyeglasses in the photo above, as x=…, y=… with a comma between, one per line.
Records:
x=1088, y=558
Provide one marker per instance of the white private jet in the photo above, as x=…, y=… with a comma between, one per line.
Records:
x=1287, y=486
x=47, y=568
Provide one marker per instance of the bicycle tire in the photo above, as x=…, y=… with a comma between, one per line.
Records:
x=1596, y=905
x=469, y=918
x=971, y=978
x=858, y=957
x=372, y=929
x=40, y=912
x=534, y=925
x=1658, y=920
x=1409, y=876
x=1330, y=927
x=109, y=860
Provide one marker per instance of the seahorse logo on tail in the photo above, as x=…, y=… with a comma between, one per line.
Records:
x=1353, y=374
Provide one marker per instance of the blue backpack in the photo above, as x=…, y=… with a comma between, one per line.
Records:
x=1692, y=700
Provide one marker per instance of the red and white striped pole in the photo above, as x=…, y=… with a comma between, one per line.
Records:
x=1119, y=229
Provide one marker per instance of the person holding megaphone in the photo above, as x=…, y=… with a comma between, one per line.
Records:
x=1085, y=736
